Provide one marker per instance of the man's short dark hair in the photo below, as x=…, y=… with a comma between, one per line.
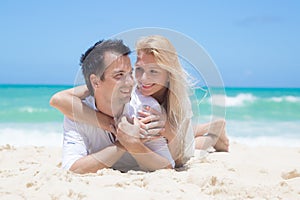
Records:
x=92, y=61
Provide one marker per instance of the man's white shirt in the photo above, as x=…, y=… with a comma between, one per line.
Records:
x=82, y=139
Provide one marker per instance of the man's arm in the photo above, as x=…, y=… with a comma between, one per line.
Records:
x=102, y=159
x=173, y=143
x=156, y=122
x=145, y=157
x=69, y=102
x=78, y=139
x=148, y=160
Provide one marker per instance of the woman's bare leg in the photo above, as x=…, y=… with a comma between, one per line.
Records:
x=222, y=143
x=204, y=142
x=212, y=134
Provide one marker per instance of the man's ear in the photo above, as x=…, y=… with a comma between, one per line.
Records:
x=95, y=81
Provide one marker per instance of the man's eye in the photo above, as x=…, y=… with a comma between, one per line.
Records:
x=118, y=76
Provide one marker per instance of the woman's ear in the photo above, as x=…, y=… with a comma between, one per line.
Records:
x=168, y=79
x=95, y=81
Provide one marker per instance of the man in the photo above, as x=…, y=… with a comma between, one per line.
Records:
x=108, y=75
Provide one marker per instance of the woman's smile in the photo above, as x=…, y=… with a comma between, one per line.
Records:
x=147, y=86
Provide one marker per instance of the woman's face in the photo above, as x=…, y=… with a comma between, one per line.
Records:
x=151, y=78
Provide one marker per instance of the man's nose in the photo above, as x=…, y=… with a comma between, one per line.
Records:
x=129, y=80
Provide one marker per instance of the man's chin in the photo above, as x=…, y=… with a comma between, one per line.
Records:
x=125, y=99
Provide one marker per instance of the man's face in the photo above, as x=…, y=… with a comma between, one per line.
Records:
x=115, y=90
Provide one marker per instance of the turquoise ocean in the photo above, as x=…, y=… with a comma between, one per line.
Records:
x=255, y=116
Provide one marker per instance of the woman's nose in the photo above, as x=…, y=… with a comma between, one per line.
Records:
x=144, y=76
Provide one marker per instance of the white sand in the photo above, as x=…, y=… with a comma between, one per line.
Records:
x=244, y=173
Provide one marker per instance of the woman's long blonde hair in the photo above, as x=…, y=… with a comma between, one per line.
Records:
x=177, y=102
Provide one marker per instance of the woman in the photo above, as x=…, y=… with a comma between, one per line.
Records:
x=158, y=74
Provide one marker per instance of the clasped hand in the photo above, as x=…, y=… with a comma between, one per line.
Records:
x=152, y=123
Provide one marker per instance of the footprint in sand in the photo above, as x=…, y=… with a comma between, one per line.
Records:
x=290, y=174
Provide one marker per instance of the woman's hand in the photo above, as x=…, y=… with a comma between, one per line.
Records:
x=152, y=122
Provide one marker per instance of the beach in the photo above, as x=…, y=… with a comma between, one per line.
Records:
x=237, y=62
x=263, y=127
x=246, y=172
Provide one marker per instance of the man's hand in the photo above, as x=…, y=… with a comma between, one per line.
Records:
x=129, y=134
x=129, y=129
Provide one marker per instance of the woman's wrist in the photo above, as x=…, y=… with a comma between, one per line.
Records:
x=169, y=135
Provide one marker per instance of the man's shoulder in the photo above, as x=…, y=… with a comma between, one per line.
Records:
x=90, y=102
x=81, y=127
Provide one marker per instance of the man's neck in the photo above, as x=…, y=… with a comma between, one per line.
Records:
x=113, y=111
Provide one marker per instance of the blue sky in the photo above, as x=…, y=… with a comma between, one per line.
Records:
x=253, y=43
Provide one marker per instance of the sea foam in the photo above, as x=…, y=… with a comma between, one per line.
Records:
x=236, y=101
x=40, y=134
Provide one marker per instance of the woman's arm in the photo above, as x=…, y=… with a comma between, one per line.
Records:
x=69, y=102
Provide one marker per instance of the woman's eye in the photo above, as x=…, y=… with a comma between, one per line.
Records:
x=153, y=71
x=138, y=69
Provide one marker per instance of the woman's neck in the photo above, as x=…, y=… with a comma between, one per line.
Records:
x=160, y=96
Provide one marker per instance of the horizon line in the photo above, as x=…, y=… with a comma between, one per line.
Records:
x=70, y=85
